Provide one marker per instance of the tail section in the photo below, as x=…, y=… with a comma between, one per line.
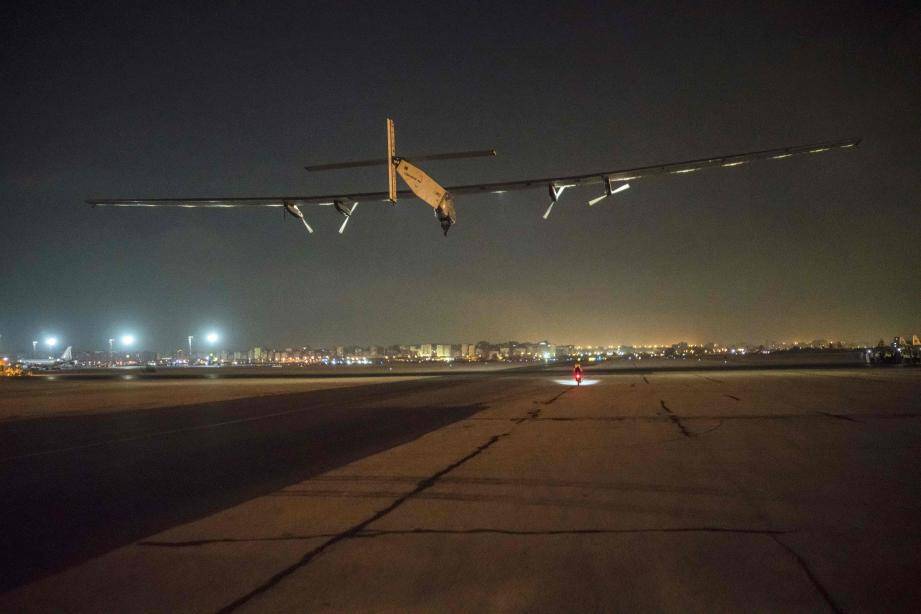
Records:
x=68, y=355
x=391, y=166
x=420, y=184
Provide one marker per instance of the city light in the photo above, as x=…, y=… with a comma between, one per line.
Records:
x=213, y=352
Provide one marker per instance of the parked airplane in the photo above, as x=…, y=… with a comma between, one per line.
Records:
x=66, y=358
x=423, y=187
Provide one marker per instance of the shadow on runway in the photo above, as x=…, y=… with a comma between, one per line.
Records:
x=75, y=487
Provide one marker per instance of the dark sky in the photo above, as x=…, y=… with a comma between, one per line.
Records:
x=234, y=98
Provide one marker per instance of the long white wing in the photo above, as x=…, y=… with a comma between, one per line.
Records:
x=646, y=172
x=630, y=174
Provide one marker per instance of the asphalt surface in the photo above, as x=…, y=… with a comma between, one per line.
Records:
x=791, y=490
x=75, y=487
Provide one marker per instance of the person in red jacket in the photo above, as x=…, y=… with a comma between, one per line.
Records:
x=577, y=373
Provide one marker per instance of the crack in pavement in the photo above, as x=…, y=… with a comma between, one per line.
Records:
x=558, y=396
x=809, y=573
x=533, y=414
x=359, y=529
x=709, y=430
x=732, y=397
x=686, y=418
x=351, y=532
x=750, y=500
x=192, y=543
x=599, y=418
x=515, y=532
x=680, y=426
x=512, y=481
x=674, y=419
x=582, y=501
x=838, y=416
x=371, y=533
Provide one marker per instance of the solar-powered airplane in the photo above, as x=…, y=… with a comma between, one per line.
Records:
x=426, y=189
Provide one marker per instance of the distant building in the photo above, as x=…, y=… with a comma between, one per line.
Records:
x=564, y=352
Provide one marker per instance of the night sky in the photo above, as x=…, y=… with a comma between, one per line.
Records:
x=233, y=99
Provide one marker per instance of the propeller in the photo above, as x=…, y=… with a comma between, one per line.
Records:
x=555, y=192
x=608, y=191
x=293, y=209
x=346, y=212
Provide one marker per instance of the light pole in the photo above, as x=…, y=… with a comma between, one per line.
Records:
x=34, y=344
x=128, y=341
x=190, y=350
x=111, y=341
x=211, y=338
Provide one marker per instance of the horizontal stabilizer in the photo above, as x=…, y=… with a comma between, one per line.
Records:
x=479, y=153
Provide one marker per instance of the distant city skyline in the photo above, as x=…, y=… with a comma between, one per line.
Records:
x=131, y=343
x=484, y=351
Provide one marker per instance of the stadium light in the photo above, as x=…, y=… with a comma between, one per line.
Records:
x=211, y=337
x=127, y=340
x=51, y=341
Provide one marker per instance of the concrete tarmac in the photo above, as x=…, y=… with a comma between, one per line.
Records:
x=792, y=490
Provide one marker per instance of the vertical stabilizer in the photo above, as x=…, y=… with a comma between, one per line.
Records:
x=68, y=355
x=391, y=171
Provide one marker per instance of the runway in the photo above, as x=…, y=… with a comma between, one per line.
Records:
x=782, y=489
